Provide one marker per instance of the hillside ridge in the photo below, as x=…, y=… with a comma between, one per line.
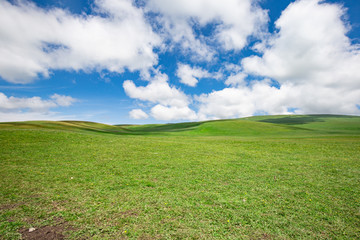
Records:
x=273, y=125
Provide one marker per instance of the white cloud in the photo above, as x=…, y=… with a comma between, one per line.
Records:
x=311, y=58
x=178, y=31
x=171, y=103
x=138, y=114
x=242, y=101
x=41, y=40
x=191, y=75
x=237, y=79
x=236, y=20
x=311, y=46
x=35, y=104
x=62, y=100
x=262, y=98
x=18, y=109
x=161, y=112
x=157, y=91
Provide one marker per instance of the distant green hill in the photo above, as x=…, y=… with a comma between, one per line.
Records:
x=275, y=126
x=282, y=125
x=65, y=125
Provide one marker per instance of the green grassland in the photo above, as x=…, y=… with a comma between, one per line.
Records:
x=264, y=177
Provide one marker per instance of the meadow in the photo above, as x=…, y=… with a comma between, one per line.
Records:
x=264, y=177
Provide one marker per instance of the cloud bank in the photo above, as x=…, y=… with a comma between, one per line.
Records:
x=235, y=22
x=311, y=61
x=115, y=38
x=34, y=108
x=307, y=65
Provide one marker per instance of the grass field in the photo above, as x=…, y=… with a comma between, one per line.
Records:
x=266, y=177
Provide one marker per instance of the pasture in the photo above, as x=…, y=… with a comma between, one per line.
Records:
x=265, y=177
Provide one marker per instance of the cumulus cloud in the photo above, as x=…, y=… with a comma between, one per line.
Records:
x=237, y=79
x=138, y=114
x=190, y=75
x=311, y=46
x=262, y=98
x=62, y=100
x=165, y=113
x=115, y=38
x=171, y=103
x=157, y=91
x=236, y=102
x=15, y=109
x=312, y=59
x=236, y=21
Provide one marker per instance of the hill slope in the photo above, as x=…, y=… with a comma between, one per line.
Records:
x=274, y=126
x=264, y=177
x=261, y=126
x=65, y=125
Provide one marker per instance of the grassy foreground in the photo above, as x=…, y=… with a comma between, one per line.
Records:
x=270, y=177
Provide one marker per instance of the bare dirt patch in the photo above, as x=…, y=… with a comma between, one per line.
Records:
x=55, y=232
x=44, y=233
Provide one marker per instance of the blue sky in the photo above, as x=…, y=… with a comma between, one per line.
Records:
x=123, y=61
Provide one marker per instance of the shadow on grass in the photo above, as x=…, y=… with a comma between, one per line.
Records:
x=295, y=120
x=173, y=127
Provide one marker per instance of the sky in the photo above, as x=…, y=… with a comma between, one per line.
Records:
x=160, y=61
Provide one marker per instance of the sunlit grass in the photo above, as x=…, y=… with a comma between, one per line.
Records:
x=197, y=183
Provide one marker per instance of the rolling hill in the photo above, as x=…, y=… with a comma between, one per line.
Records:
x=263, y=177
x=272, y=126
